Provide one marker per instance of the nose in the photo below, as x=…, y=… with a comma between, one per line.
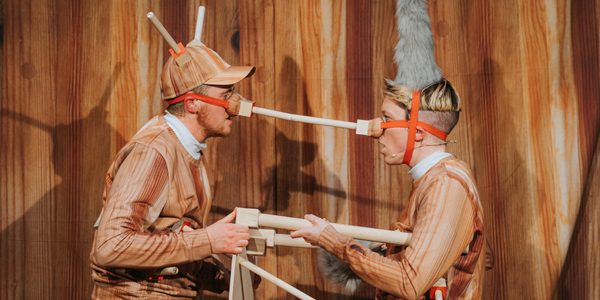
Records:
x=234, y=104
x=375, y=130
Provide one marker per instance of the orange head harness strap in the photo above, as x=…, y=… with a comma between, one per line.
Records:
x=411, y=124
x=203, y=98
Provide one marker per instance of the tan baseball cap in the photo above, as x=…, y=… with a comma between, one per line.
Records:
x=205, y=67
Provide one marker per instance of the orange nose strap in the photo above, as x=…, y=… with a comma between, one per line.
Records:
x=405, y=124
x=203, y=98
x=412, y=124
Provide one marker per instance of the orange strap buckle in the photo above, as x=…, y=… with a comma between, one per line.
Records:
x=178, y=53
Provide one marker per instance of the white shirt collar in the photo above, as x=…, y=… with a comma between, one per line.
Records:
x=190, y=143
x=423, y=166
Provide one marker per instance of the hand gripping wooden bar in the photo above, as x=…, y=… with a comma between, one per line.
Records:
x=241, y=282
x=253, y=218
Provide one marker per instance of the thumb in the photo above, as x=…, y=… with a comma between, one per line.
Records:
x=297, y=233
x=312, y=219
x=229, y=218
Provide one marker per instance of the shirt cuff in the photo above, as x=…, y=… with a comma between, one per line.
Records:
x=333, y=241
x=199, y=244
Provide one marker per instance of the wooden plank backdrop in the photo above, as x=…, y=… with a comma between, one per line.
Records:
x=80, y=77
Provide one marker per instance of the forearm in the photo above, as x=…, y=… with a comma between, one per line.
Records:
x=128, y=248
x=395, y=277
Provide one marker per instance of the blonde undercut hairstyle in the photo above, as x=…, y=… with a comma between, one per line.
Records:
x=177, y=109
x=440, y=103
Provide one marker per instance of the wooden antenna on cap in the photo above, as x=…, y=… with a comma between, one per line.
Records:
x=177, y=49
x=199, y=24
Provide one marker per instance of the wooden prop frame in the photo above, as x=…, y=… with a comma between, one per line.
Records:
x=240, y=284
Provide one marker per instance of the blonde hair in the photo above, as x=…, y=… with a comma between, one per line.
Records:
x=440, y=103
x=177, y=109
x=439, y=96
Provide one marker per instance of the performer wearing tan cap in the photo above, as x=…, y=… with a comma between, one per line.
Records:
x=444, y=213
x=152, y=240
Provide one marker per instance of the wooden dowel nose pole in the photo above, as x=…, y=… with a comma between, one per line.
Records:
x=163, y=31
x=199, y=23
x=302, y=119
x=363, y=233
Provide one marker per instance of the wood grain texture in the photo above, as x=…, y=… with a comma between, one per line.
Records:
x=81, y=77
x=581, y=270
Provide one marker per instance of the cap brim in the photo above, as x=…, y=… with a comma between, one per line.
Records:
x=231, y=75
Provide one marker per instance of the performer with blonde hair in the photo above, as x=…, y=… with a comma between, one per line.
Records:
x=444, y=213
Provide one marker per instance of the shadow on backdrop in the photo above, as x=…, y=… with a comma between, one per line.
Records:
x=54, y=235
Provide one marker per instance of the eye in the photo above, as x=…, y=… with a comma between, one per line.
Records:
x=229, y=93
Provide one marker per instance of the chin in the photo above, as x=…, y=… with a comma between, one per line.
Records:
x=392, y=161
x=225, y=132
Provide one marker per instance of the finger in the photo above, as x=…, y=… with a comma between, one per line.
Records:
x=240, y=236
x=312, y=218
x=298, y=233
x=229, y=218
x=240, y=228
x=237, y=250
x=242, y=243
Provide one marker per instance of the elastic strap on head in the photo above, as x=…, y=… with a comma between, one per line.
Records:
x=412, y=126
x=203, y=98
x=405, y=124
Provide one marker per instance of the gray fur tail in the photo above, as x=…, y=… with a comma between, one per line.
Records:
x=339, y=272
x=414, y=51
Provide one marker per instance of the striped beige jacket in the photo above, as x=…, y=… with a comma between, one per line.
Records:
x=152, y=187
x=445, y=217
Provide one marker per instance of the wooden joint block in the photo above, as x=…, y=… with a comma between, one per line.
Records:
x=257, y=244
x=269, y=235
x=247, y=216
x=362, y=127
x=245, y=108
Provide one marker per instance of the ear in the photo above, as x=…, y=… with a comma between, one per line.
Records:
x=192, y=106
x=420, y=135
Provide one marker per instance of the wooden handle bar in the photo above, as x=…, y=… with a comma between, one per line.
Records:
x=363, y=233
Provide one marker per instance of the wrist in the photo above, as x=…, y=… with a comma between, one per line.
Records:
x=333, y=241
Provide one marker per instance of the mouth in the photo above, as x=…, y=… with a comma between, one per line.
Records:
x=382, y=147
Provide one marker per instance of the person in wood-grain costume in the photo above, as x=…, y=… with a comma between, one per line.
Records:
x=444, y=213
x=152, y=240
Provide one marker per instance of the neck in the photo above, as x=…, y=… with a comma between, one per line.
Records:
x=422, y=152
x=191, y=123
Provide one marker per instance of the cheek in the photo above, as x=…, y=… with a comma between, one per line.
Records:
x=394, y=139
x=214, y=115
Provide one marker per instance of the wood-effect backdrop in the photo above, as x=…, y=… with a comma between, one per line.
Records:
x=79, y=78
